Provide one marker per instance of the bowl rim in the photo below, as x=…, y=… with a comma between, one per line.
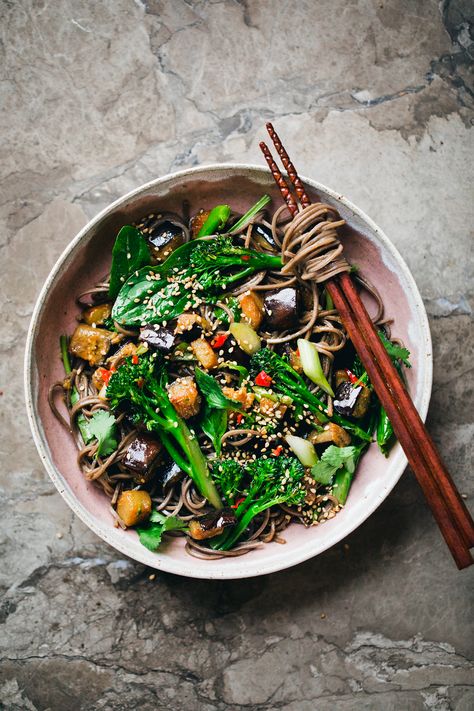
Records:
x=249, y=566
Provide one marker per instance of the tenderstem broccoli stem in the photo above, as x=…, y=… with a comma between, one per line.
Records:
x=314, y=404
x=193, y=463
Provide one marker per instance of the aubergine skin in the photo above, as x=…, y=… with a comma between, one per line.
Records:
x=163, y=237
x=141, y=456
x=168, y=474
x=231, y=351
x=281, y=309
x=346, y=397
x=158, y=337
x=212, y=524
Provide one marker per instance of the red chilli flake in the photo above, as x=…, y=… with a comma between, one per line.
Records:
x=135, y=359
x=277, y=451
x=352, y=378
x=239, y=418
x=106, y=374
x=263, y=379
x=237, y=503
x=219, y=341
x=246, y=257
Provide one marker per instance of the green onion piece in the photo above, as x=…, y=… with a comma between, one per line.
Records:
x=216, y=221
x=251, y=213
x=312, y=365
x=303, y=449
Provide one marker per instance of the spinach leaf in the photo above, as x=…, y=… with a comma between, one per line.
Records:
x=129, y=253
x=158, y=294
x=150, y=536
x=214, y=424
x=211, y=390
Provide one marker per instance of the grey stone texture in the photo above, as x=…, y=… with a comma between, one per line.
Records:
x=374, y=98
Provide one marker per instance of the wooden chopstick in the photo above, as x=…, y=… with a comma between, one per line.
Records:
x=448, y=508
x=443, y=513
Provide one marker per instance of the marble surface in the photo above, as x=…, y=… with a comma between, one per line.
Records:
x=374, y=98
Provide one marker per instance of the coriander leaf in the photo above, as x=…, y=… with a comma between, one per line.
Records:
x=341, y=457
x=395, y=351
x=102, y=427
x=334, y=458
x=211, y=390
x=214, y=424
x=323, y=472
x=129, y=253
x=150, y=536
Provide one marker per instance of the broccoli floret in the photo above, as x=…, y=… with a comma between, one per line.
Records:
x=268, y=482
x=143, y=386
x=286, y=381
x=229, y=476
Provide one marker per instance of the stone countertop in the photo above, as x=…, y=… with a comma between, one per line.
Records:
x=374, y=98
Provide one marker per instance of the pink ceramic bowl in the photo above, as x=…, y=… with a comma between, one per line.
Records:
x=87, y=259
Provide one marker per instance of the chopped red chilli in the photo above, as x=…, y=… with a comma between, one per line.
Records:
x=219, y=341
x=263, y=379
x=352, y=378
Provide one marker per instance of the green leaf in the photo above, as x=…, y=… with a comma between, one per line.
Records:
x=233, y=305
x=323, y=472
x=157, y=294
x=102, y=427
x=334, y=458
x=214, y=424
x=129, y=253
x=150, y=536
x=395, y=351
x=211, y=390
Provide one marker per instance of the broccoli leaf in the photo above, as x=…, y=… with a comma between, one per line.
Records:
x=211, y=390
x=332, y=459
x=214, y=424
x=129, y=253
x=150, y=536
x=102, y=427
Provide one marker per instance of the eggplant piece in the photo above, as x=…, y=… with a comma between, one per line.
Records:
x=231, y=351
x=263, y=236
x=330, y=433
x=141, y=457
x=197, y=222
x=281, y=309
x=345, y=398
x=350, y=400
x=184, y=396
x=134, y=507
x=168, y=474
x=97, y=314
x=157, y=337
x=164, y=234
x=252, y=309
x=212, y=524
x=91, y=344
x=190, y=326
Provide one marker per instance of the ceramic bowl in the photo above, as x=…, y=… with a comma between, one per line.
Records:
x=87, y=259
